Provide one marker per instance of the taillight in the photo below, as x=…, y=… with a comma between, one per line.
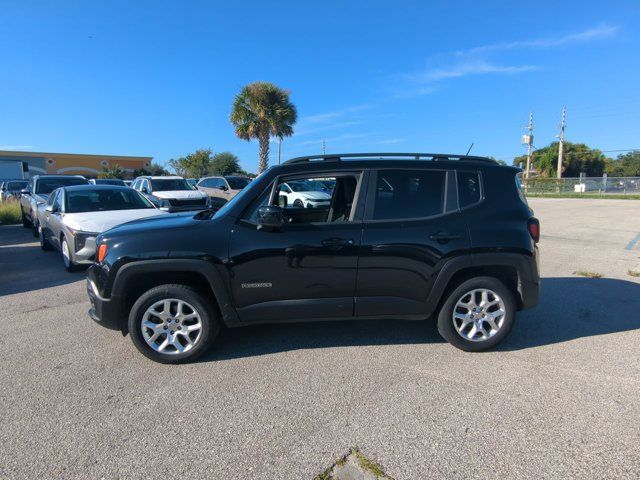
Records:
x=534, y=229
x=102, y=252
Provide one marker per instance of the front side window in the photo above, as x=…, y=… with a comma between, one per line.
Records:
x=304, y=204
x=406, y=194
x=57, y=201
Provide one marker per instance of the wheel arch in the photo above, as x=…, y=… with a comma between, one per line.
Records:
x=135, y=278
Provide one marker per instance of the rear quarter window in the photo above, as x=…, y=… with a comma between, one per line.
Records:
x=469, y=188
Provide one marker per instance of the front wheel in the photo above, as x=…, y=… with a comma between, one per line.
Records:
x=478, y=314
x=25, y=221
x=173, y=324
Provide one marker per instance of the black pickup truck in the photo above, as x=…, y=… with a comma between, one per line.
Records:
x=407, y=236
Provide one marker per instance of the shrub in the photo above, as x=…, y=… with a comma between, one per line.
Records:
x=10, y=212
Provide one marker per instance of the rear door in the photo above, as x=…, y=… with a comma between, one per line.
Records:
x=412, y=225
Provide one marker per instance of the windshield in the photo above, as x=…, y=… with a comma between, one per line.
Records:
x=299, y=187
x=169, y=184
x=110, y=181
x=237, y=183
x=45, y=186
x=97, y=200
x=15, y=186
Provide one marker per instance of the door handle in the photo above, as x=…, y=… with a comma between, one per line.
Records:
x=443, y=236
x=337, y=242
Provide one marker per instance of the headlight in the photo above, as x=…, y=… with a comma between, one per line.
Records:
x=81, y=239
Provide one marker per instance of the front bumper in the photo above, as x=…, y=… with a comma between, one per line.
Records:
x=105, y=311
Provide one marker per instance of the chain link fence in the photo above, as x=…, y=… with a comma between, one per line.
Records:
x=582, y=186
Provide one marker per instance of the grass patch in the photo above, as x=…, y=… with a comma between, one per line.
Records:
x=633, y=273
x=10, y=212
x=367, y=468
x=586, y=273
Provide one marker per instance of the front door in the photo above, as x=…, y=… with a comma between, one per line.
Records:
x=305, y=270
x=412, y=225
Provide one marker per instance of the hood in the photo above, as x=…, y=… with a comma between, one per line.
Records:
x=180, y=194
x=315, y=195
x=101, y=221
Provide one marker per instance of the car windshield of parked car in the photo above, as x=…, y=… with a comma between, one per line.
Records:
x=97, y=200
x=300, y=187
x=110, y=181
x=169, y=184
x=237, y=183
x=45, y=186
x=16, y=186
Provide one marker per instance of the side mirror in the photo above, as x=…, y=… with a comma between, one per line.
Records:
x=282, y=201
x=24, y=191
x=223, y=188
x=50, y=208
x=144, y=190
x=271, y=216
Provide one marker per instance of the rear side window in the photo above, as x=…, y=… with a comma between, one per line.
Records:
x=402, y=194
x=468, y=188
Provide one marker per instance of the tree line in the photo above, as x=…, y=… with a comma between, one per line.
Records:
x=579, y=158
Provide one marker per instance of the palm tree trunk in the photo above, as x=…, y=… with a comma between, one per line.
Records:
x=263, y=162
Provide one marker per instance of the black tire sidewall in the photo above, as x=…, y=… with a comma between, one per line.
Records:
x=72, y=266
x=445, y=323
x=210, y=324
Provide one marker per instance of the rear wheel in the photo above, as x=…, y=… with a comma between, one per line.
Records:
x=25, y=221
x=298, y=203
x=44, y=243
x=173, y=324
x=67, y=256
x=478, y=314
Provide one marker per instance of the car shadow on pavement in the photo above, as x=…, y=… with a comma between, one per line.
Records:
x=569, y=308
x=576, y=307
x=24, y=266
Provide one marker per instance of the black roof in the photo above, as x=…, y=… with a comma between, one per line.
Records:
x=434, y=157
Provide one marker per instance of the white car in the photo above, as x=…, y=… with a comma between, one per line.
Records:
x=171, y=193
x=302, y=195
x=74, y=216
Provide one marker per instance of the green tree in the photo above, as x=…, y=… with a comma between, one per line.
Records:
x=263, y=110
x=153, y=169
x=114, y=172
x=626, y=165
x=225, y=163
x=193, y=165
x=578, y=158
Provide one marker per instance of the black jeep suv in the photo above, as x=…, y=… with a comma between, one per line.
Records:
x=405, y=236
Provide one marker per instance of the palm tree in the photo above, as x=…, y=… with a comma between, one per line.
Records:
x=262, y=110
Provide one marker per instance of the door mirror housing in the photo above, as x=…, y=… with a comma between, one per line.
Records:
x=50, y=208
x=223, y=188
x=144, y=190
x=271, y=216
x=24, y=191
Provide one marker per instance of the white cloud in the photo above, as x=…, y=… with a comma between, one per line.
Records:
x=603, y=31
x=307, y=131
x=328, y=116
x=464, y=69
x=337, y=139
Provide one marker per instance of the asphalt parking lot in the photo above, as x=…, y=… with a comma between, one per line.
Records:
x=559, y=399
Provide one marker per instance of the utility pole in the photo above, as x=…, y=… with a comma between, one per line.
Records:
x=324, y=147
x=561, y=144
x=528, y=140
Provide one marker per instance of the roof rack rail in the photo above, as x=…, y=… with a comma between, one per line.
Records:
x=338, y=157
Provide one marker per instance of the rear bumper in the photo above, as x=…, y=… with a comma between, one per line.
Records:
x=104, y=311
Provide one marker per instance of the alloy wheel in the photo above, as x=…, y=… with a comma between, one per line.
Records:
x=66, y=255
x=479, y=315
x=171, y=326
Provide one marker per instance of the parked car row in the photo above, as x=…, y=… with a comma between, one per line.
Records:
x=10, y=189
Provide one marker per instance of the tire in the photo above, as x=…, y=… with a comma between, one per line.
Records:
x=34, y=229
x=67, y=256
x=297, y=203
x=462, y=332
x=150, y=308
x=44, y=243
x=25, y=222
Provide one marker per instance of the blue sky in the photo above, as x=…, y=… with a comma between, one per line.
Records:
x=158, y=78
